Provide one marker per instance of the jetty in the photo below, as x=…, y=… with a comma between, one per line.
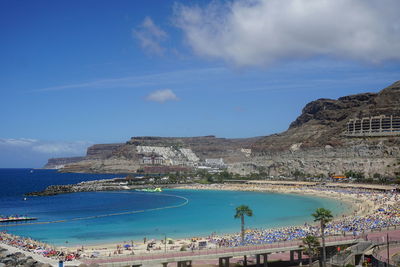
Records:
x=16, y=219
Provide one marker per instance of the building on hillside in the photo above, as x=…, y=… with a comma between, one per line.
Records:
x=215, y=163
x=152, y=159
x=373, y=126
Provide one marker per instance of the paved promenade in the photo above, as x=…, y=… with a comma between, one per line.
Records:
x=275, y=251
x=381, y=237
x=159, y=258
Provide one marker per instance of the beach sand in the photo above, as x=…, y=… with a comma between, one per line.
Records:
x=360, y=205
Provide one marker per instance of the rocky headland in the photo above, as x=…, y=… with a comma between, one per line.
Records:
x=89, y=186
x=114, y=184
x=316, y=144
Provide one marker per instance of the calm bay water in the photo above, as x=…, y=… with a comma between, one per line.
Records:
x=204, y=213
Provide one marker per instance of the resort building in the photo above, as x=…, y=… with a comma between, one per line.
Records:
x=167, y=156
x=373, y=126
x=152, y=160
x=215, y=163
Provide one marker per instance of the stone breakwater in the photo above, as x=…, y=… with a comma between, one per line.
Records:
x=90, y=186
x=115, y=184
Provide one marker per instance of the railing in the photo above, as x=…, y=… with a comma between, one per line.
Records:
x=380, y=245
x=284, y=245
x=384, y=261
x=343, y=257
x=214, y=251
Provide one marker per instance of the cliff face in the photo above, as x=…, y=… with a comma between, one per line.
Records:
x=323, y=121
x=313, y=144
x=205, y=147
x=94, y=153
x=102, y=151
x=57, y=163
x=141, y=152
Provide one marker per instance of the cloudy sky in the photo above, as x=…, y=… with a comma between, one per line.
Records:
x=75, y=73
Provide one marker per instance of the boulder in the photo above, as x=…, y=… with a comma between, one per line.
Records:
x=9, y=261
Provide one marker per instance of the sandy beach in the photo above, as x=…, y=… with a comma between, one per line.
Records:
x=369, y=208
x=361, y=205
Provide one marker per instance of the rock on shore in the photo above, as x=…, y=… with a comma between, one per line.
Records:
x=18, y=259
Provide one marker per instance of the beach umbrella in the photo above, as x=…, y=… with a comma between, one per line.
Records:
x=127, y=246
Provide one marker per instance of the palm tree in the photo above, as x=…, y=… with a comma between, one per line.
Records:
x=323, y=216
x=311, y=245
x=240, y=212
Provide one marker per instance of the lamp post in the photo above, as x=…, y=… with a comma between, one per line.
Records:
x=387, y=244
x=165, y=243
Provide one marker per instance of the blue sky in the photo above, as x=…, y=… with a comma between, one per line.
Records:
x=74, y=73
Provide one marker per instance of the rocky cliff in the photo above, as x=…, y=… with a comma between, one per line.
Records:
x=324, y=120
x=94, y=153
x=58, y=163
x=140, y=152
x=314, y=144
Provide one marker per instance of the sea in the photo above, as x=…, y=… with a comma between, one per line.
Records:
x=104, y=217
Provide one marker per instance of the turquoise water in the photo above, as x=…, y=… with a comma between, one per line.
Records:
x=205, y=212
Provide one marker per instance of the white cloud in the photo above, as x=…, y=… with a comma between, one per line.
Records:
x=45, y=147
x=172, y=77
x=162, y=96
x=19, y=142
x=260, y=32
x=74, y=148
x=150, y=36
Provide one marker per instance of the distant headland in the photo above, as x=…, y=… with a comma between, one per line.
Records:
x=358, y=134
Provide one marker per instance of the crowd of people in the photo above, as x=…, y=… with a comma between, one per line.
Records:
x=27, y=244
x=386, y=213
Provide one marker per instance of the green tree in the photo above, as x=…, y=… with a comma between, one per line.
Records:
x=225, y=175
x=323, y=216
x=298, y=174
x=311, y=245
x=377, y=176
x=241, y=211
x=357, y=175
x=209, y=178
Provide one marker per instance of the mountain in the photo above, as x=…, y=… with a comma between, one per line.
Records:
x=359, y=133
x=323, y=121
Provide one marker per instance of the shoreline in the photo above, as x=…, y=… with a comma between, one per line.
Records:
x=351, y=202
x=347, y=201
x=359, y=206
